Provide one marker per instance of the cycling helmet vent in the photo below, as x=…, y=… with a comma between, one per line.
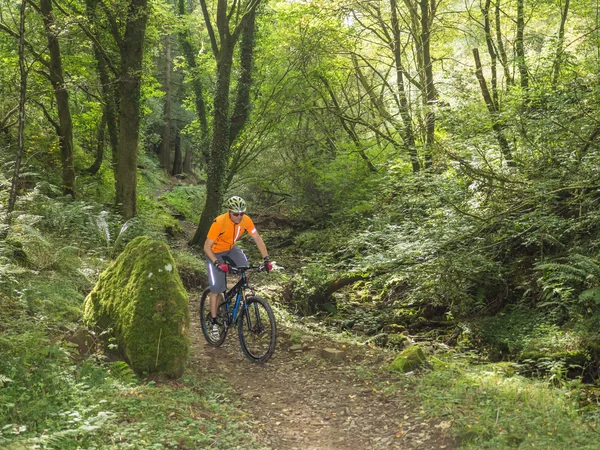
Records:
x=236, y=204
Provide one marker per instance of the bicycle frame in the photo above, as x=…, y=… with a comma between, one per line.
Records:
x=238, y=290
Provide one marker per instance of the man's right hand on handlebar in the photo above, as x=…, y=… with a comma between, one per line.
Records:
x=222, y=267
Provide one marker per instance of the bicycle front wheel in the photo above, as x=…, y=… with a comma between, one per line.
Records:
x=206, y=320
x=257, y=330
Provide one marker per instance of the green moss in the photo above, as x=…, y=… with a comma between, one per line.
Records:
x=410, y=359
x=141, y=298
x=398, y=341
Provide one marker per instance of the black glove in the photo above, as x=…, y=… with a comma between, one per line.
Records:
x=268, y=265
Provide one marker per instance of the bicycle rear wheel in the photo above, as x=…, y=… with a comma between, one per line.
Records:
x=206, y=320
x=257, y=330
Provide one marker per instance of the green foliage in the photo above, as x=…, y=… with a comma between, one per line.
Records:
x=186, y=200
x=572, y=286
x=499, y=410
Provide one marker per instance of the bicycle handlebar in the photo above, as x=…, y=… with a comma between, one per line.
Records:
x=236, y=270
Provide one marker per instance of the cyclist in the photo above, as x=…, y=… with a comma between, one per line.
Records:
x=220, y=249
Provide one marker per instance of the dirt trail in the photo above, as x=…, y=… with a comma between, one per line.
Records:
x=302, y=401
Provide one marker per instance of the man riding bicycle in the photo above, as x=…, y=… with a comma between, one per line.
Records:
x=220, y=249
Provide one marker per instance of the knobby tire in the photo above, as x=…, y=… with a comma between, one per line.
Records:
x=257, y=330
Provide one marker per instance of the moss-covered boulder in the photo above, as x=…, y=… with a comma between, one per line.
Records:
x=141, y=300
x=410, y=359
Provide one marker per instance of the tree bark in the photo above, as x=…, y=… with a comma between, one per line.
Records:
x=65, y=130
x=22, y=96
x=520, y=46
x=430, y=91
x=93, y=169
x=177, y=161
x=131, y=49
x=165, y=147
x=559, y=48
x=223, y=49
x=217, y=167
x=409, y=135
x=198, y=90
x=110, y=92
x=501, y=49
x=491, y=50
x=491, y=106
x=242, y=107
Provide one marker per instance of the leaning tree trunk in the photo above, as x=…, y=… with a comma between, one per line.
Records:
x=492, y=108
x=61, y=94
x=132, y=47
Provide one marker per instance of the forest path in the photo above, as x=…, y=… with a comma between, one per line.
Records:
x=300, y=400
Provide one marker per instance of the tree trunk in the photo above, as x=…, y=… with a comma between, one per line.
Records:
x=109, y=88
x=177, y=161
x=492, y=52
x=520, y=47
x=198, y=89
x=501, y=49
x=165, y=148
x=65, y=130
x=22, y=96
x=132, y=47
x=223, y=50
x=187, y=160
x=217, y=167
x=93, y=170
x=409, y=135
x=430, y=91
x=491, y=106
x=242, y=102
x=559, y=48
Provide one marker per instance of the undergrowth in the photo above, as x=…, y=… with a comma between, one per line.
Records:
x=489, y=406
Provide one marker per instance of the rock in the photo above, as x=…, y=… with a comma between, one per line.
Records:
x=141, y=300
x=398, y=341
x=333, y=354
x=410, y=359
x=296, y=348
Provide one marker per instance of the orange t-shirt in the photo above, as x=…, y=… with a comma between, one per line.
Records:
x=224, y=232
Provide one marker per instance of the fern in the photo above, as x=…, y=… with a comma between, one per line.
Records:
x=4, y=380
x=570, y=284
x=121, y=371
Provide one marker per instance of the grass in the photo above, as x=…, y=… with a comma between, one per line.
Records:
x=48, y=400
x=491, y=408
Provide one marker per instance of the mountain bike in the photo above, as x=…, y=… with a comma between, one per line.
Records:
x=257, y=330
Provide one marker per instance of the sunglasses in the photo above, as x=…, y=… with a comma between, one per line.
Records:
x=239, y=214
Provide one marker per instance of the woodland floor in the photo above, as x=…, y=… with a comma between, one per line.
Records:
x=299, y=400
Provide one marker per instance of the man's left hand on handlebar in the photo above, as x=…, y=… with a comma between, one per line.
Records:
x=268, y=264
